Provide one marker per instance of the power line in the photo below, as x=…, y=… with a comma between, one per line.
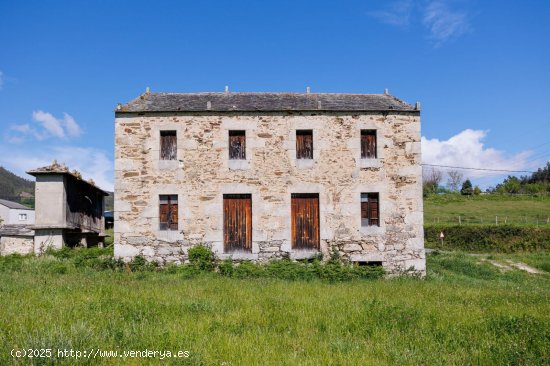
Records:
x=488, y=170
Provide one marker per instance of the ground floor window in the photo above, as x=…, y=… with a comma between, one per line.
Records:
x=168, y=207
x=370, y=213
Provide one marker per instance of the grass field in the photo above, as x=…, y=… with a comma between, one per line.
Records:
x=482, y=209
x=467, y=311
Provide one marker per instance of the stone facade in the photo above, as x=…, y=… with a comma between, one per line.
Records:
x=202, y=174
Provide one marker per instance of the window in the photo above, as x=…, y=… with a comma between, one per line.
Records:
x=237, y=145
x=22, y=217
x=368, y=144
x=168, y=207
x=304, y=144
x=370, y=214
x=168, y=145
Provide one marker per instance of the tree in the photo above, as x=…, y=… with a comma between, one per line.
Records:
x=477, y=191
x=431, y=179
x=467, y=188
x=455, y=180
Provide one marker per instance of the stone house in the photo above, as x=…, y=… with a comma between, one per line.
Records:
x=13, y=213
x=261, y=176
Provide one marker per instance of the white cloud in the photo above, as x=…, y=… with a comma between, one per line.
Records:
x=397, y=13
x=56, y=126
x=72, y=128
x=467, y=149
x=47, y=125
x=436, y=16
x=91, y=162
x=444, y=23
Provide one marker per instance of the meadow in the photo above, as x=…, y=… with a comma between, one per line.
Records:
x=466, y=311
x=487, y=209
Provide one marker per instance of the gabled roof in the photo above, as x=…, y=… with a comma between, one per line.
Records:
x=265, y=102
x=56, y=168
x=14, y=205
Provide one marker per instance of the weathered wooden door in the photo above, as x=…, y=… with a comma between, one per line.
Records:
x=237, y=222
x=305, y=221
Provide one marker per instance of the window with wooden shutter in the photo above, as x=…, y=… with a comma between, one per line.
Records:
x=168, y=212
x=370, y=212
x=368, y=144
x=304, y=144
x=237, y=145
x=168, y=145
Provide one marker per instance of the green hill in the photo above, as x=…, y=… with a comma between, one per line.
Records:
x=487, y=209
x=15, y=188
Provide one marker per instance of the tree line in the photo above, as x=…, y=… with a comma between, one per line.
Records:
x=536, y=183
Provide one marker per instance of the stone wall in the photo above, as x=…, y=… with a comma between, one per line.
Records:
x=202, y=173
x=16, y=245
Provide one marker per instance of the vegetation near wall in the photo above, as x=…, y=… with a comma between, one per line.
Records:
x=488, y=238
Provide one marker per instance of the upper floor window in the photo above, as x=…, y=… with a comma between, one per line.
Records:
x=370, y=213
x=22, y=217
x=237, y=145
x=168, y=145
x=304, y=144
x=368, y=144
x=168, y=215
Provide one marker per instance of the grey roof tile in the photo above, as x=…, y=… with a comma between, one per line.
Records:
x=251, y=102
x=14, y=205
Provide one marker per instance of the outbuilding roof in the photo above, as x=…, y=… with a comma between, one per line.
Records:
x=265, y=102
x=14, y=205
x=16, y=230
x=57, y=168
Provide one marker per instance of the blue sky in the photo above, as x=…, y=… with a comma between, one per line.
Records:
x=481, y=69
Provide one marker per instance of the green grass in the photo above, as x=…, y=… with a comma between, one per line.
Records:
x=465, y=312
x=521, y=210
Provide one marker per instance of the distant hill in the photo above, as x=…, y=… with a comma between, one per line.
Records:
x=15, y=188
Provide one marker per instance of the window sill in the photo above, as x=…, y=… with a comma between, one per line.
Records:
x=238, y=164
x=370, y=163
x=168, y=164
x=305, y=163
x=169, y=235
x=372, y=230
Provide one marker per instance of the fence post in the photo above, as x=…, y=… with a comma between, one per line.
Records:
x=459, y=220
x=496, y=220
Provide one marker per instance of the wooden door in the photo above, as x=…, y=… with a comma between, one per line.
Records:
x=305, y=221
x=237, y=222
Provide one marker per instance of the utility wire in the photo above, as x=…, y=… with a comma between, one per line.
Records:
x=488, y=170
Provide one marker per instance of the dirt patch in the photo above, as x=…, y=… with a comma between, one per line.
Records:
x=524, y=267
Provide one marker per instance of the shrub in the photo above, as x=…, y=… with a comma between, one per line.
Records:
x=248, y=270
x=201, y=257
x=226, y=268
x=485, y=238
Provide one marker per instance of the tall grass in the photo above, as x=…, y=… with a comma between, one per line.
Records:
x=465, y=312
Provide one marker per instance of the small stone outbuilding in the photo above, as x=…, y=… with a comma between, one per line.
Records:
x=261, y=176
